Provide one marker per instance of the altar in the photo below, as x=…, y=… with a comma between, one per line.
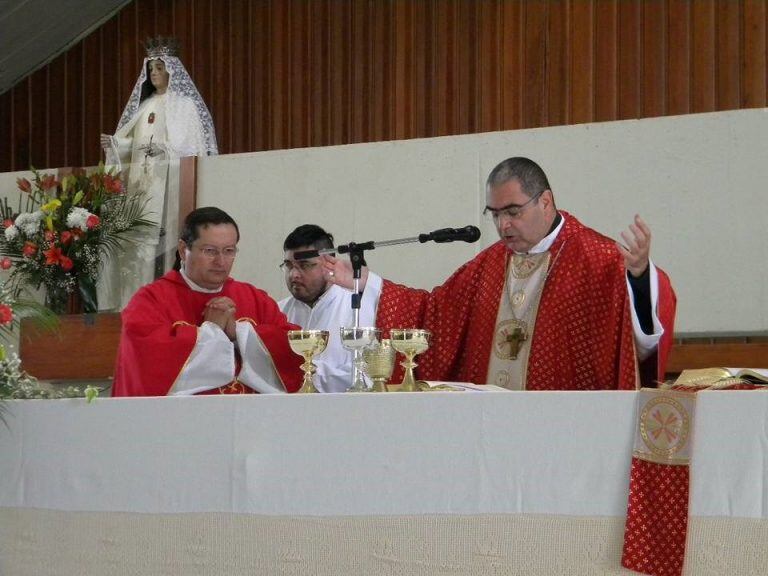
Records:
x=421, y=483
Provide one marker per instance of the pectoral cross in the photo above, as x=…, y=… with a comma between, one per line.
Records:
x=515, y=340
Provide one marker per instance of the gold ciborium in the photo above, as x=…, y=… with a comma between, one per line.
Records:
x=308, y=343
x=379, y=363
x=409, y=342
x=357, y=340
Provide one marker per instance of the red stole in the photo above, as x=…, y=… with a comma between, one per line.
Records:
x=160, y=327
x=582, y=339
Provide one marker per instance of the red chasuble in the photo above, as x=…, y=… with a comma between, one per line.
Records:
x=582, y=339
x=160, y=327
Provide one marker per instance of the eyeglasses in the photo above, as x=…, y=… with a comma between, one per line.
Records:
x=511, y=211
x=211, y=253
x=302, y=265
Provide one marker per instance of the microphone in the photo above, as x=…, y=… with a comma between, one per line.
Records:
x=466, y=234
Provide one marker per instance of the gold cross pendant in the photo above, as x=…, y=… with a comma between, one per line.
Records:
x=515, y=340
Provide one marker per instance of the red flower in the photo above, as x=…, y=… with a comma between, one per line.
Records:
x=112, y=184
x=66, y=237
x=24, y=184
x=6, y=314
x=7, y=223
x=66, y=263
x=30, y=249
x=6, y=263
x=50, y=235
x=53, y=255
x=92, y=222
x=48, y=181
x=76, y=233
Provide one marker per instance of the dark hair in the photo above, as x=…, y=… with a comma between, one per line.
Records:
x=147, y=88
x=308, y=235
x=202, y=218
x=532, y=178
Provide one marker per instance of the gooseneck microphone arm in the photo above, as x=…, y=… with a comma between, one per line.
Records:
x=443, y=235
x=356, y=253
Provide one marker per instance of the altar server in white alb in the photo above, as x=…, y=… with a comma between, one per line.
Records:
x=318, y=304
x=165, y=119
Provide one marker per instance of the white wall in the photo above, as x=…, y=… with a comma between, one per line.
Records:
x=699, y=180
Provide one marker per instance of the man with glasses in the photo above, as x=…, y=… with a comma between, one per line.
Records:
x=198, y=331
x=553, y=305
x=318, y=304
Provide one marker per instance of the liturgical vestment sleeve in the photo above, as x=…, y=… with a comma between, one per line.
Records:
x=162, y=338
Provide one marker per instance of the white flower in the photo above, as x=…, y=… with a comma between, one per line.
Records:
x=11, y=232
x=29, y=223
x=77, y=217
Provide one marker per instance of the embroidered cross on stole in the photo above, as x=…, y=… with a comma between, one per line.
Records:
x=515, y=340
x=507, y=365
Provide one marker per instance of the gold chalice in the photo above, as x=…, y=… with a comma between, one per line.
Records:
x=357, y=340
x=410, y=342
x=379, y=363
x=308, y=343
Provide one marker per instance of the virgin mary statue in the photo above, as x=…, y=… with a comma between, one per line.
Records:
x=165, y=119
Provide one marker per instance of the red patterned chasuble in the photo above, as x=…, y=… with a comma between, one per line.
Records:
x=159, y=332
x=582, y=339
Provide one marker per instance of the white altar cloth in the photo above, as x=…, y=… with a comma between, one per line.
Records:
x=437, y=458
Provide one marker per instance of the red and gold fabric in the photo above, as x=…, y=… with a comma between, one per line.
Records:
x=583, y=337
x=656, y=530
x=161, y=336
x=657, y=511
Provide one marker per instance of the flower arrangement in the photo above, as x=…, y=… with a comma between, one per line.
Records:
x=15, y=383
x=64, y=230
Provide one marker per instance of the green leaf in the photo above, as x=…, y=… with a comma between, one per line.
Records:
x=88, y=294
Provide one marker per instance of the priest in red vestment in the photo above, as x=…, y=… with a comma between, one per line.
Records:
x=198, y=331
x=553, y=305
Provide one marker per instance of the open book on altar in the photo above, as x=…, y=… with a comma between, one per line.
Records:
x=461, y=386
x=714, y=376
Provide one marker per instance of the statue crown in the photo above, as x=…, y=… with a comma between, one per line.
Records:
x=161, y=46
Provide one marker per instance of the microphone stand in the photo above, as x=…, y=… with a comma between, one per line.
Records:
x=356, y=253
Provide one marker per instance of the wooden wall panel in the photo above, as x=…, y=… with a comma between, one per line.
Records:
x=535, y=64
x=21, y=137
x=6, y=132
x=678, y=57
x=38, y=118
x=293, y=73
x=582, y=61
x=629, y=60
x=654, y=66
x=703, y=61
x=754, y=83
x=512, y=65
x=558, y=70
x=56, y=114
x=727, y=55
x=606, y=60
x=74, y=93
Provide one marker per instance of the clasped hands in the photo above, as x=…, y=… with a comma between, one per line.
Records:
x=222, y=312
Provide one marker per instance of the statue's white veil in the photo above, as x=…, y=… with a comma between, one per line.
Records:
x=187, y=135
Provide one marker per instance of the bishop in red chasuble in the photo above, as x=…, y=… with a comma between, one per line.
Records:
x=575, y=316
x=198, y=331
